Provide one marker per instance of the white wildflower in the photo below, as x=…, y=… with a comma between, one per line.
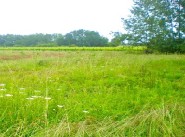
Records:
x=8, y=95
x=60, y=106
x=2, y=89
x=85, y=111
x=47, y=98
x=2, y=85
x=36, y=96
x=37, y=91
x=30, y=98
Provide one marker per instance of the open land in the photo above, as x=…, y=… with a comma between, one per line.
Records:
x=91, y=93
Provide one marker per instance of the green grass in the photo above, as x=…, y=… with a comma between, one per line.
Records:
x=91, y=93
x=67, y=48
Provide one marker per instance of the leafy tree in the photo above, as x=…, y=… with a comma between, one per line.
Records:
x=78, y=37
x=157, y=23
x=92, y=38
x=59, y=39
x=83, y=38
x=9, y=39
x=119, y=39
x=27, y=40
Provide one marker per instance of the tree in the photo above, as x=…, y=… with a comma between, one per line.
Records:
x=83, y=38
x=158, y=23
x=119, y=39
x=60, y=39
x=92, y=38
x=78, y=37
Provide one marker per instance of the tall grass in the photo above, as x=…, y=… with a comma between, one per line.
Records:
x=83, y=93
x=67, y=48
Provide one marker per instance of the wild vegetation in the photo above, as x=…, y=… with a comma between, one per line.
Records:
x=76, y=38
x=158, y=24
x=75, y=48
x=80, y=84
x=85, y=93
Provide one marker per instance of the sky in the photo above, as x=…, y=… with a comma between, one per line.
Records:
x=62, y=16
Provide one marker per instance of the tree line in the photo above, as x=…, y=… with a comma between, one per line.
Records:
x=76, y=38
x=159, y=24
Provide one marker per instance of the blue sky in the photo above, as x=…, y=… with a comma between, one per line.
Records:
x=62, y=16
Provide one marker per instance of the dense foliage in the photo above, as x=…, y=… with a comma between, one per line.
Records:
x=83, y=38
x=158, y=23
x=27, y=40
x=78, y=38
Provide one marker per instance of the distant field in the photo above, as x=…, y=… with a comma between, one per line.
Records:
x=119, y=48
x=90, y=93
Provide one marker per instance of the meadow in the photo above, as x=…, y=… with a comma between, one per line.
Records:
x=82, y=93
x=76, y=48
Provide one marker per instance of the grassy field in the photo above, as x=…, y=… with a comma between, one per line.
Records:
x=75, y=48
x=91, y=93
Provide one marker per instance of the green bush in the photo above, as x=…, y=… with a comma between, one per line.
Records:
x=168, y=46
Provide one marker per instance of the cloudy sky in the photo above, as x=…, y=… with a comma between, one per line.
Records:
x=62, y=16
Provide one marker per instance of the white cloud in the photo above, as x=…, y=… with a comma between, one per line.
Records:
x=62, y=16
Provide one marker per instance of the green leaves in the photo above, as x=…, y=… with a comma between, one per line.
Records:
x=78, y=38
x=157, y=23
x=83, y=38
